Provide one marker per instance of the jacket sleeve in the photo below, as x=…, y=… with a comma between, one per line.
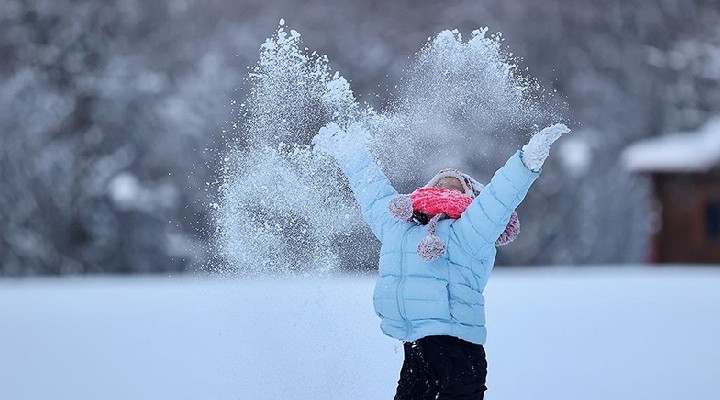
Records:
x=485, y=219
x=372, y=189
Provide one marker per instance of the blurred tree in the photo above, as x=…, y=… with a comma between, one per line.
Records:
x=630, y=70
x=106, y=119
x=112, y=114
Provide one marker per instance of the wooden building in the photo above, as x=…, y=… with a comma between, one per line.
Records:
x=685, y=173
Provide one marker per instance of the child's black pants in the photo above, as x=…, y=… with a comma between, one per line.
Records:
x=443, y=368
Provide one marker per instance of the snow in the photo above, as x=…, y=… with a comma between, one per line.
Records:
x=554, y=333
x=575, y=154
x=453, y=95
x=279, y=199
x=678, y=152
x=124, y=189
x=128, y=193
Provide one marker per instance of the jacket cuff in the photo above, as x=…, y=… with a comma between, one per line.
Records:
x=517, y=170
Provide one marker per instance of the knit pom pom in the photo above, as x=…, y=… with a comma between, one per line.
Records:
x=512, y=230
x=430, y=248
x=401, y=207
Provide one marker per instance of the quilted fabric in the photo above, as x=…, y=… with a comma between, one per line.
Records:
x=415, y=298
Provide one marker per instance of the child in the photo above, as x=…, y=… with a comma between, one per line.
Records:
x=435, y=304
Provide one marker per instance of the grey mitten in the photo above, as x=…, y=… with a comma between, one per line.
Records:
x=538, y=148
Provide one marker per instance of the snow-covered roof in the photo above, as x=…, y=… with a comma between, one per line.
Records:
x=678, y=152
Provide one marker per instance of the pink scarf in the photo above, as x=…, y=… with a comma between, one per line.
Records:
x=437, y=204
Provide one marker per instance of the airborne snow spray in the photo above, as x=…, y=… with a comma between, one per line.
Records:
x=284, y=209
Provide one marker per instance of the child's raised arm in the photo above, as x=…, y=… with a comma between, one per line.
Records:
x=485, y=219
x=372, y=189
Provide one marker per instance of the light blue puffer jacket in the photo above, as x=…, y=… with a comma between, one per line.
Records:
x=415, y=298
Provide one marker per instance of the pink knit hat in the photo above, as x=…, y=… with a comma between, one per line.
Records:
x=429, y=205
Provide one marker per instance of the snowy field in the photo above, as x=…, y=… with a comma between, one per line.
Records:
x=602, y=333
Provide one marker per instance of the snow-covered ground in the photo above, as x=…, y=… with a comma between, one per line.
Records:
x=554, y=333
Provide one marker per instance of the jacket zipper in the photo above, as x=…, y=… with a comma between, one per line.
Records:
x=401, y=285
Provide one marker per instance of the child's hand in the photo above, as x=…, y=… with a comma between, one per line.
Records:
x=327, y=140
x=538, y=148
x=334, y=141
